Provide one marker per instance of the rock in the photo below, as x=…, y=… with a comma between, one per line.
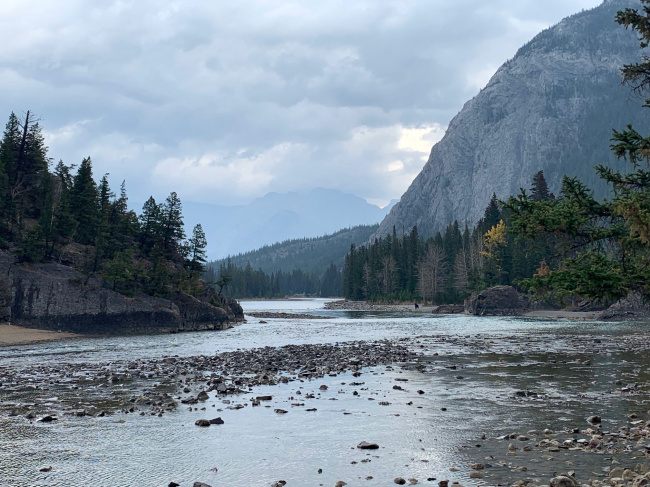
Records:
x=563, y=481
x=46, y=469
x=632, y=307
x=264, y=398
x=496, y=301
x=443, y=483
x=281, y=411
x=57, y=297
x=203, y=396
x=47, y=419
x=173, y=484
x=595, y=419
x=478, y=466
x=340, y=483
x=202, y=422
x=399, y=481
x=200, y=484
x=323, y=387
x=217, y=421
x=364, y=445
x=448, y=309
x=475, y=475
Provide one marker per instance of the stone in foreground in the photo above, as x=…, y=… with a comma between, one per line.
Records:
x=364, y=445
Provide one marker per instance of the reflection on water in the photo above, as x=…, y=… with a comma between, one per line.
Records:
x=481, y=365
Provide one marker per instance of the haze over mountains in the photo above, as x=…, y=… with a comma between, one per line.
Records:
x=551, y=108
x=278, y=217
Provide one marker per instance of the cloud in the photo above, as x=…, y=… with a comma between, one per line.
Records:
x=224, y=101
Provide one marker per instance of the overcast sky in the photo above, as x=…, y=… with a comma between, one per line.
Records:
x=228, y=100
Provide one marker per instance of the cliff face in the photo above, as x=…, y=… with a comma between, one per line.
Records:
x=551, y=108
x=52, y=296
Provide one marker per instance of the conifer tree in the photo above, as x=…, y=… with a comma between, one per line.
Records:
x=197, y=245
x=83, y=203
x=172, y=231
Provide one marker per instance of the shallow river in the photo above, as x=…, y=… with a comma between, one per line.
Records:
x=470, y=388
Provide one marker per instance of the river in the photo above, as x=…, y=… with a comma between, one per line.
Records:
x=472, y=372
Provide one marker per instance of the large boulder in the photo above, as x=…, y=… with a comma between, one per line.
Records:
x=496, y=301
x=635, y=307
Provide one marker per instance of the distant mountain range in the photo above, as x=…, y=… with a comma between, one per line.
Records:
x=551, y=108
x=232, y=230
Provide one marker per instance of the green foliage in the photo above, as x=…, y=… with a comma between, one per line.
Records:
x=51, y=216
x=602, y=249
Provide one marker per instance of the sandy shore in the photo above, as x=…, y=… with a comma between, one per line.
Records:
x=17, y=335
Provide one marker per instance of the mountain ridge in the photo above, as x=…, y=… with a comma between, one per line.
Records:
x=551, y=108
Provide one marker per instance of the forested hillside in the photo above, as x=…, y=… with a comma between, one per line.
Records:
x=310, y=266
x=59, y=213
x=310, y=255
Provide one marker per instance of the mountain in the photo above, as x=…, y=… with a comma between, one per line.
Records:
x=551, y=108
x=311, y=255
x=278, y=217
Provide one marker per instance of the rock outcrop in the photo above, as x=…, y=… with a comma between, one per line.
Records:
x=551, y=108
x=633, y=308
x=56, y=297
x=496, y=301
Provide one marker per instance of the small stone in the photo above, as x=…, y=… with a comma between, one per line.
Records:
x=173, y=484
x=478, y=466
x=202, y=422
x=340, y=483
x=47, y=419
x=475, y=475
x=364, y=445
x=323, y=387
x=443, y=483
x=200, y=484
x=563, y=481
x=46, y=469
x=595, y=419
x=399, y=481
x=217, y=421
x=280, y=411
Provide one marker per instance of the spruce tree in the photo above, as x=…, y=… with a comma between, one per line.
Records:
x=83, y=203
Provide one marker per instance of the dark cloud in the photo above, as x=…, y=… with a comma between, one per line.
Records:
x=228, y=100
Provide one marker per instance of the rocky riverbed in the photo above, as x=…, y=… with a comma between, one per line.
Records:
x=512, y=409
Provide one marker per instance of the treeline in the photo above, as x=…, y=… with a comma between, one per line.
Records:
x=445, y=268
x=64, y=216
x=245, y=282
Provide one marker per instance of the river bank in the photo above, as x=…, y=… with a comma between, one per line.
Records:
x=18, y=335
x=422, y=309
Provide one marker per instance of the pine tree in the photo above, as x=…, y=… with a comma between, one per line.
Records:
x=150, y=225
x=197, y=245
x=83, y=203
x=172, y=231
x=539, y=189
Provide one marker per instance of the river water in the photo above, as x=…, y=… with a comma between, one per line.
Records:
x=472, y=371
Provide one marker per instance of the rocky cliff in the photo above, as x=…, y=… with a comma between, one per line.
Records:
x=52, y=296
x=552, y=107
